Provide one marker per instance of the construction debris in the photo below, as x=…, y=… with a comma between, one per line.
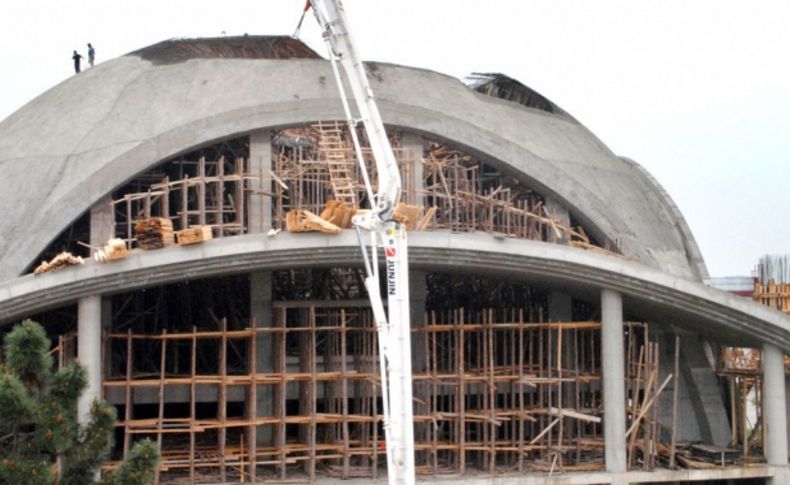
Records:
x=714, y=454
x=193, y=235
x=60, y=261
x=338, y=213
x=410, y=215
x=154, y=233
x=315, y=169
x=306, y=221
x=461, y=193
x=114, y=249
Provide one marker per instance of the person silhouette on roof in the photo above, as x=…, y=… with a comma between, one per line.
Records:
x=77, y=59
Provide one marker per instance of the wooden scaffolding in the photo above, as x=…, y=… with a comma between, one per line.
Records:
x=494, y=392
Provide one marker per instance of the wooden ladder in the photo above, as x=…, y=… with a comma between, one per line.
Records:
x=340, y=161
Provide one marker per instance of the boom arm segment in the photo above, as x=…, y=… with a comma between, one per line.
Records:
x=394, y=336
x=341, y=45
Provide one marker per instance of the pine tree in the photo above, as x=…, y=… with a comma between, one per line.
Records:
x=41, y=439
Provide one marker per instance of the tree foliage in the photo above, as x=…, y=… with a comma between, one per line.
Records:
x=41, y=438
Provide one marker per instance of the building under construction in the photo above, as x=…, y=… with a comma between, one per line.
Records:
x=562, y=327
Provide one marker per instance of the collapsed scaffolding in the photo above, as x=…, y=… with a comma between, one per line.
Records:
x=313, y=168
x=450, y=189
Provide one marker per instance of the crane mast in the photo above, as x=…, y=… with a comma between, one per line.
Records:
x=393, y=326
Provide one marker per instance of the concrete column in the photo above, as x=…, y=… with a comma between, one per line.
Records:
x=774, y=417
x=559, y=213
x=89, y=316
x=561, y=310
x=102, y=229
x=260, y=221
x=260, y=164
x=787, y=402
x=102, y=221
x=560, y=307
x=261, y=311
x=613, y=368
x=418, y=290
x=413, y=147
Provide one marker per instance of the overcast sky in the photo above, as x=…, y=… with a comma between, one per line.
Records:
x=698, y=92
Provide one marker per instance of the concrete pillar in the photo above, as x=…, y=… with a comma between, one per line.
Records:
x=560, y=307
x=561, y=310
x=787, y=402
x=613, y=369
x=89, y=317
x=559, y=213
x=774, y=417
x=418, y=290
x=102, y=229
x=260, y=221
x=259, y=165
x=93, y=313
x=261, y=311
x=419, y=356
x=412, y=145
x=102, y=221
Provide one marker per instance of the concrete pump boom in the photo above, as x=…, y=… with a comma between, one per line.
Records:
x=394, y=328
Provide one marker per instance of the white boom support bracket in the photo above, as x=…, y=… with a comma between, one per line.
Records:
x=394, y=327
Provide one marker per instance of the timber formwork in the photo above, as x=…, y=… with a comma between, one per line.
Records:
x=493, y=391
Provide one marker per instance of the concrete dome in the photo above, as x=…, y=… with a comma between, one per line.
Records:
x=488, y=297
x=88, y=135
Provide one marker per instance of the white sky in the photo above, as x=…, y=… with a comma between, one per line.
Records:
x=696, y=91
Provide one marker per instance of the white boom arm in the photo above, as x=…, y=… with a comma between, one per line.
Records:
x=394, y=333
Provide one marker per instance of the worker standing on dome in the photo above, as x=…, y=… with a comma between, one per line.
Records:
x=76, y=58
x=91, y=54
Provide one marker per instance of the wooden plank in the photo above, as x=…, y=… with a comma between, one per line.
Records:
x=193, y=235
x=570, y=413
x=154, y=233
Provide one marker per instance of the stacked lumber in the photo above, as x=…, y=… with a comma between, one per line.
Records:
x=114, y=249
x=60, y=261
x=154, y=233
x=193, y=235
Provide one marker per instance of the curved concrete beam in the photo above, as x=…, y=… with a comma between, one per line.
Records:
x=649, y=294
